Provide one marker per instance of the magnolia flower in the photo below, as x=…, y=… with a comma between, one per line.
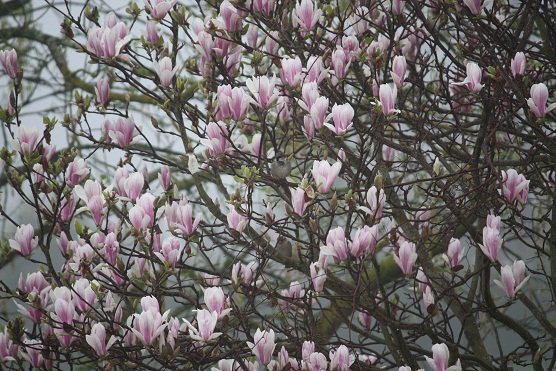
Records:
x=537, y=102
x=325, y=175
x=388, y=99
x=306, y=15
x=376, y=200
x=206, y=323
x=440, y=358
x=399, y=66
x=9, y=60
x=298, y=200
x=236, y=221
x=97, y=339
x=263, y=90
x=342, y=115
x=519, y=64
x=406, y=257
x=454, y=253
x=263, y=345
x=27, y=140
x=473, y=79
x=164, y=71
x=514, y=186
x=492, y=242
x=475, y=8
x=336, y=245
x=25, y=240
x=158, y=9
x=512, y=278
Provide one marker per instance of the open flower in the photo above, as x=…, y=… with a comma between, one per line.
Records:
x=325, y=175
x=537, y=102
x=263, y=345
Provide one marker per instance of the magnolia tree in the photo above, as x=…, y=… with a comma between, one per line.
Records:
x=281, y=185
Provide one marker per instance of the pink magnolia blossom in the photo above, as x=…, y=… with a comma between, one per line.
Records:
x=123, y=131
x=475, y=8
x=108, y=41
x=239, y=103
x=242, y=273
x=428, y=297
x=97, y=339
x=318, y=112
x=84, y=297
x=27, y=140
x=365, y=319
x=364, y=241
x=77, y=171
x=512, y=278
x=265, y=6
x=421, y=279
x=252, y=36
x=350, y=44
x=290, y=73
x=284, y=360
x=263, y=345
x=8, y=350
x=133, y=185
x=206, y=323
x=316, y=362
x=340, y=359
x=399, y=66
x=473, y=78
x=151, y=33
x=310, y=93
x=139, y=218
x=306, y=15
x=454, y=254
x=9, y=60
x=440, y=358
x=102, y=91
x=318, y=275
x=388, y=99
x=537, y=102
x=217, y=138
x=271, y=42
x=519, y=64
x=336, y=245
x=164, y=177
x=25, y=240
x=215, y=300
x=263, y=90
x=342, y=116
x=158, y=9
x=340, y=62
x=164, y=71
x=180, y=216
x=315, y=69
x=170, y=251
x=406, y=257
x=33, y=282
x=325, y=175
x=65, y=311
x=32, y=352
x=493, y=221
x=397, y=6
x=231, y=20
x=388, y=153
x=148, y=325
x=492, y=242
x=236, y=221
x=376, y=200
x=514, y=186
x=298, y=200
